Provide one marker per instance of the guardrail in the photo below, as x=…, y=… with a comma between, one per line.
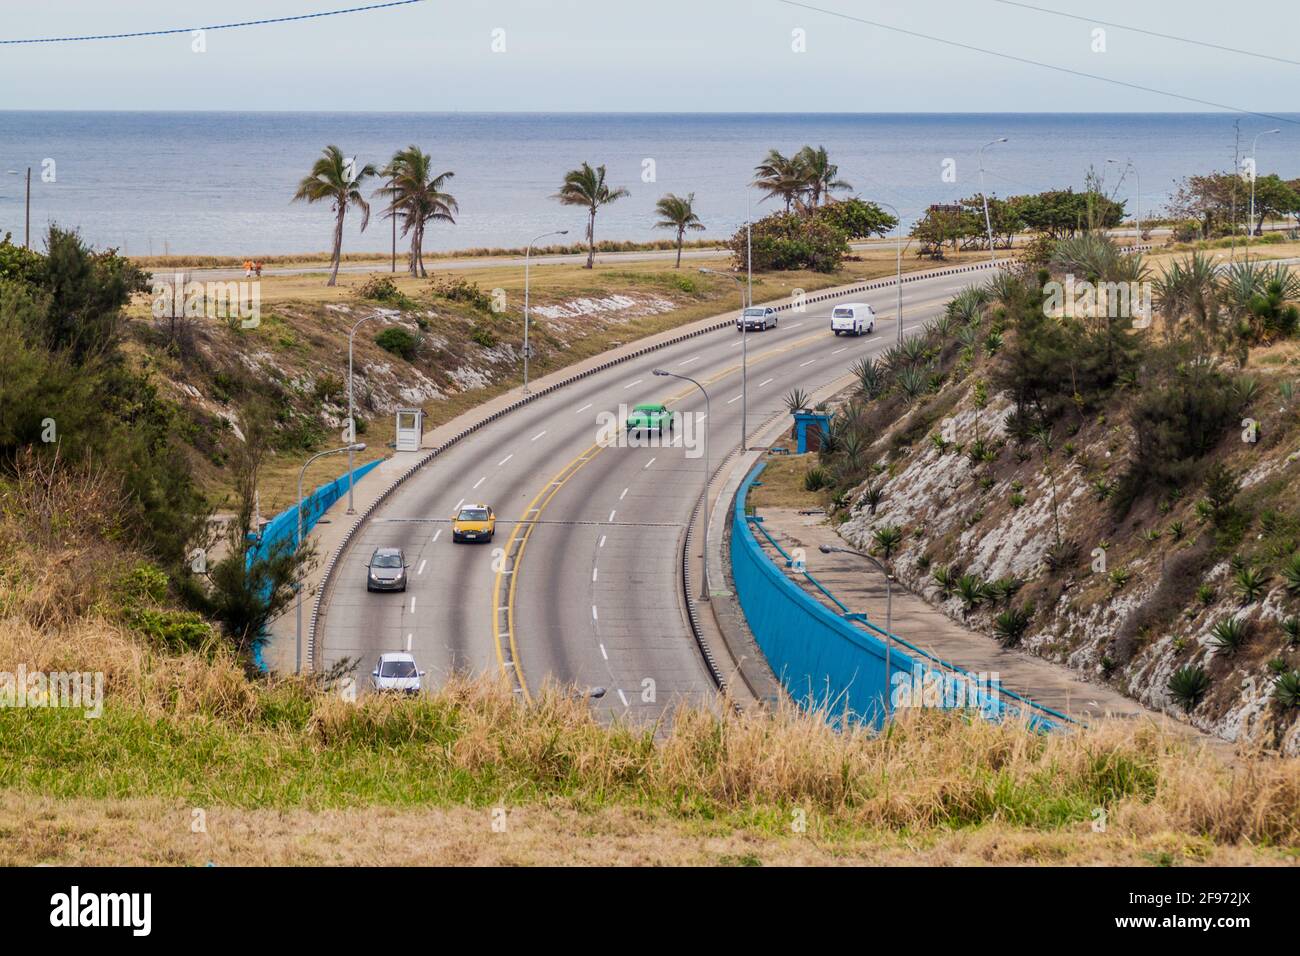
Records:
x=827, y=659
x=327, y=577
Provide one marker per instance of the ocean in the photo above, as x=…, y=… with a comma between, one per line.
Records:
x=151, y=183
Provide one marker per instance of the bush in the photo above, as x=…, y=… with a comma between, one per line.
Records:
x=1229, y=635
x=816, y=479
x=483, y=336
x=380, y=289
x=460, y=289
x=784, y=241
x=399, y=341
x=1012, y=623
x=1188, y=685
x=1286, y=689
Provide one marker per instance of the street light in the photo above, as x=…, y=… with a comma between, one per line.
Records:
x=354, y=446
x=988, y=224
x=704, y=583
x=352, y=424
x=898, y=229
x=527, y=253
x=1137, y=196
x=889, y=607
x=744, y=351
x=1253, y=176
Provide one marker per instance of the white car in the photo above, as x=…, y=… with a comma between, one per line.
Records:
x=758, y=317
x=396, y=672
x=853, y=318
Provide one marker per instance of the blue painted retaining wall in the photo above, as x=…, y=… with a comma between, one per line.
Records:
x=822, y=658
x=283, y=528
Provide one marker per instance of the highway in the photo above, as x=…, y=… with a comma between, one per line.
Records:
x=587, y=591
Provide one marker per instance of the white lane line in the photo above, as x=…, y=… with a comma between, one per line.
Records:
x=479, y=482
x=602, y=542
x=795, y=326
x=736, y=399
x=611, y=516
x=505, y=459
x=420, y=570
x=603, y=652
x=458, y=504
x=622, y=696
x=583, y=409
x=838, y=351
x=693, y=358
x=412, y=603
x=736, y=345
x=538, y=435
x=624, y=494
x=408, y=642
x=437, y=534
x=809, y=362
x=702, y=417
x=633, y=384
x=649, y=463
x=594, y=615
x=768, y=381
x=593, y=573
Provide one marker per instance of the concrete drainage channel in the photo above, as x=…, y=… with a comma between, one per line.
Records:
x=327, y=579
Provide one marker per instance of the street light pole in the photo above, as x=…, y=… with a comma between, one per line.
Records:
x=352, y=424
x=704, y=578
x=744, y=353
x=889, y=608
x=898, y=282
x=527, y=253
x=349, y=448
x=1254, y=174
x=988, y=224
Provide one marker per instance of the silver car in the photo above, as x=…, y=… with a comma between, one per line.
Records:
x=396, y=672
x=758, y=317
x=386, y=571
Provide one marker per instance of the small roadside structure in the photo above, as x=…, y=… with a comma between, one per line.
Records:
x=809, y=428
x=410, y=429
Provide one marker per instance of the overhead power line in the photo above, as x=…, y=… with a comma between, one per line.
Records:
x=214, y=26
x=1038, y=63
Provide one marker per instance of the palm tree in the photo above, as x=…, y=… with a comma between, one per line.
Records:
x=819, y=174
x=679, y=214
x=416, y=195
x=782, y=176
x=586, y=187
x=338, y=180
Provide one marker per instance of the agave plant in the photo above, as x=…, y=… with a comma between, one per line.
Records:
x=796, y=400
x=912, y=382
x=1188, y=288
x=946, y=578
x=1005, y=588
x=1251, y=583
x=939, y=329
x=1291, y=628
x=872, y=495
x=816, y=478
x=915, y=349
x=1291, y=572
x=1229, y=635
x=1188, y=685
x=887, y=538
x=871, y=376
x=972, y=590
x=1286, y=689
x=967, y=306
x=1012, y=623
x=1004, y=287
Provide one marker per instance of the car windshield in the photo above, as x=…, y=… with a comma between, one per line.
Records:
x=473, y=514
x=397, y=669
x=756, y=312
x=648, y=408
x=843, y=313
x=386, y=561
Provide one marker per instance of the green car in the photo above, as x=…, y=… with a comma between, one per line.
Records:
x=649, y=417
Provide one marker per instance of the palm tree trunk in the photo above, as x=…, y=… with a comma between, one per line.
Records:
x=681, y=231
x=414, y=265
x=591, y=239
x=419, y=248
x=338, y=246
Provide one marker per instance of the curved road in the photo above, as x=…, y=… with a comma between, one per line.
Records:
x=587, y=591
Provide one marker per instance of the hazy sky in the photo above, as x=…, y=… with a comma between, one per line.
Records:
x=654, y=55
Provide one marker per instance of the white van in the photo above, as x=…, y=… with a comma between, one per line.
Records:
x=853, y=317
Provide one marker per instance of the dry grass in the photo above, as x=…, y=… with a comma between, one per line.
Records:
x=782, y=481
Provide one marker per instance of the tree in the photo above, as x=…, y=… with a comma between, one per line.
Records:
x=856, y=218
x=586, y=187
x=678, y=213
x=1211, y=199
x=782, y=176
x=819, y=174
x=940, y=226
x=338, y=181
x=86, y=292
x=1273, y=198
x=789, y=241
x=415, y=195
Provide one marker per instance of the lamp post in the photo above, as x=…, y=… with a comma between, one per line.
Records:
x=889, y=607
x=744, y=352
x=1254, y=174
x=898, y=282
x=988, y=224
x=352, y=424
x=704, y=582
x=527, y=253
x=1137, y=196
x=349, y=448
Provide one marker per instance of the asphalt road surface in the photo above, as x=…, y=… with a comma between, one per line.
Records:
x=587, y=592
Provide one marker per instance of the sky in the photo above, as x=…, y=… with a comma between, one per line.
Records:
x=648, y=55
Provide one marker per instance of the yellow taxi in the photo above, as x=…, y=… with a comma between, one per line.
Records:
x=473, y=523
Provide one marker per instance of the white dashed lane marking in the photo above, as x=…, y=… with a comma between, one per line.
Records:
x=420, y=570
x=479, y=482
x=766, y=382
x=649, y=463
x=594, y=615
x=633, y=384
x=623, y=697
x=505, y=459
x=538, y=435
x=583, y=409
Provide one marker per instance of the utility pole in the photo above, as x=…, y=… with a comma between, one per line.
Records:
x=392, y=185
x=27, y=236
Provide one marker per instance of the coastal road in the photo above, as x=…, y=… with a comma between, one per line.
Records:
x=582, y=584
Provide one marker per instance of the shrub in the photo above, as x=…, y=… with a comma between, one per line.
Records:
x=887, y=538
x=1291, y=573
x=460, y=289
x=1286, y=689
x=483, y=336
x=1291, y=628
x=816, y=478
x=1017, y=500
x=785, y=241
x=946, y=578
x=1229, y=635
x=1188, y=685
x=1205, y=594
x=872, y=495
x=1251, y=583
x=1120, y=577
x=1012, y=623
x=399, y=341
x=380, y=289
x=972, y=590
